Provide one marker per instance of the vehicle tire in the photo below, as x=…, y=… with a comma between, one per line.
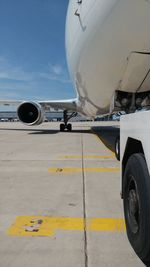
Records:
x=136, y=197
x=117, y=148
x=62, y=127
x=69, y=127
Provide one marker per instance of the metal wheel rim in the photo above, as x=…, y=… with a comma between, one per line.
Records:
x=117, y=147
x=133, y=206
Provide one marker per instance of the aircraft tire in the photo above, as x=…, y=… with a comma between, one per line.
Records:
x=62, y=127
x=69, y=127
x=136, y=197
x=117, y=148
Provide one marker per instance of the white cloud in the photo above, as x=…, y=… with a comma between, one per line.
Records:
x=56, y=69
x=18, y=83
x=56, y=72
x=10, y=72
x=16, y=73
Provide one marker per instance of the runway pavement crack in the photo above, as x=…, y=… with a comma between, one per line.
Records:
x=84, y=206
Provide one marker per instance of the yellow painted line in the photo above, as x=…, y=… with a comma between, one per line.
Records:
x=47, y=226
x=87, y=157
x=78, y=170
x=109, y=224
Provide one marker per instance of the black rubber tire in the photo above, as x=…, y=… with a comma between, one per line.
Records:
x=117, y=148
x=69, y=127
x=136, y=178
x=62, y=127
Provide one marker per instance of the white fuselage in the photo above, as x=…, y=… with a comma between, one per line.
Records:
x=99, y=39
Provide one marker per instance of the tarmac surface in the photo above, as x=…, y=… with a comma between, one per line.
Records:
x=60, y=197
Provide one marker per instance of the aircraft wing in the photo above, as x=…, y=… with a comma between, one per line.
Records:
x=70, y=104
x=10, y=102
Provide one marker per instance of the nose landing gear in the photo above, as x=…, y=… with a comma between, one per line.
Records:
x=67, y=126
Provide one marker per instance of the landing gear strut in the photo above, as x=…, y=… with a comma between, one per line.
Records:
x=67, y=126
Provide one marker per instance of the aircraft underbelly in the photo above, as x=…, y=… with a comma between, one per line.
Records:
x=136, y=77
x=99, y=40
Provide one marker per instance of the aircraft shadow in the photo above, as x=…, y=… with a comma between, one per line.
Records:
x=46, y=131
x=80, y=131
x=107, y=135
x=32, y=131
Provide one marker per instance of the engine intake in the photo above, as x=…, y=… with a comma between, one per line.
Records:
x=30, y=113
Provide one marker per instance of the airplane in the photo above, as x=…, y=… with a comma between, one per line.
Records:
x=108, y=55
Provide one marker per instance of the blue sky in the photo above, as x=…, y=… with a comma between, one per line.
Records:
x=32, y=50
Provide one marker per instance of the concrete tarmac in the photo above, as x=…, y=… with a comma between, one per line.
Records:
x=60, y=197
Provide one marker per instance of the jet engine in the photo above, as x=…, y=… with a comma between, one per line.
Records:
x=30, y=113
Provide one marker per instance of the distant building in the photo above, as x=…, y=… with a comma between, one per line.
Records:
x=8, y=115
x=55, y=115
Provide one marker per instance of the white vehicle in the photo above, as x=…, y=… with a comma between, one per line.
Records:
x=108, y=54
x=135, y=185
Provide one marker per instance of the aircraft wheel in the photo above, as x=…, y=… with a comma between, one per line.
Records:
x=69, y=127
x=117, y=148
x=136, y=197
x=62, y=127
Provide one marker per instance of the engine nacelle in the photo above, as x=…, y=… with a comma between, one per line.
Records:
x=30, y=113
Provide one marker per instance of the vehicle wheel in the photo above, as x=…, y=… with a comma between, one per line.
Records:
x=69, y=127
x=117, y=148
x=62, y=127
x=136, y=197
